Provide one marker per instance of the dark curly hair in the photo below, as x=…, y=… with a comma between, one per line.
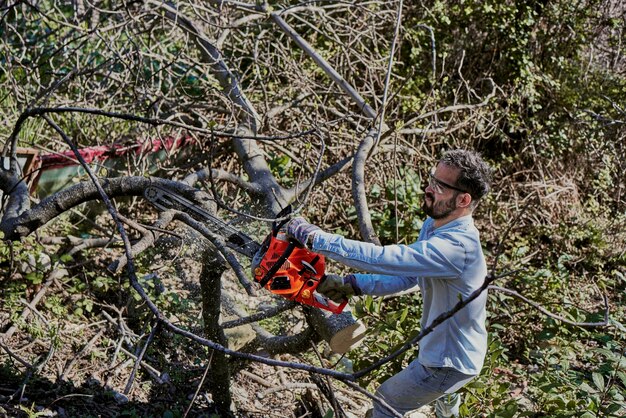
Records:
x=475, y=175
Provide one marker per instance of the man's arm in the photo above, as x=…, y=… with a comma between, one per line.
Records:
x=339, y=287
x=436, y=257
x=383, y=285
x=395, y=268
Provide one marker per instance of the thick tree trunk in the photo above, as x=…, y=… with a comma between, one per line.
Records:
x=210, y=283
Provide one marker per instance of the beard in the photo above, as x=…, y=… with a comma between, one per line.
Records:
x=438, y=210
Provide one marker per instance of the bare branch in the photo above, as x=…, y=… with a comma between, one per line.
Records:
x=15, y=199
x=328, y=69
x=543, y=310
x=358, y=187
x=213, y=56
x=282, y=306
x=138, y=360
x=450, y=109
x=381, y=122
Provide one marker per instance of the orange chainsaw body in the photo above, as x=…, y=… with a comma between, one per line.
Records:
x=298, y=276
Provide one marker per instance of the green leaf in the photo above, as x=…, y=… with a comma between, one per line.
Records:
x=598, y=380
x=368, y=303
x=404, y=314
x=34, y=277
x=88, y=304
x=560, y=401
x=510, y=410
x=586, y=388
x=613, y=408
x=547, y=388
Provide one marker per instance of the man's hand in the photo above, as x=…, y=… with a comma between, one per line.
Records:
x=338, y=288
x=300, y=230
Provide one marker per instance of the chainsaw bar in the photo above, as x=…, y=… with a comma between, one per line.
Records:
x=164, y=200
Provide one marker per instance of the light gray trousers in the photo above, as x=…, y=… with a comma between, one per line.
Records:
x=418, y=385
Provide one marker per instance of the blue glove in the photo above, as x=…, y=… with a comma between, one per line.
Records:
x=338, y=288
x=301, y=231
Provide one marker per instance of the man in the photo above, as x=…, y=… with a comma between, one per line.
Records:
x=446, y=262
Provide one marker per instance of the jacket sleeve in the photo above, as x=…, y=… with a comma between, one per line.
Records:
x=441, y=256
x=382, y=285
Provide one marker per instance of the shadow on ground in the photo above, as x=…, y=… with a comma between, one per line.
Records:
x=32, y=396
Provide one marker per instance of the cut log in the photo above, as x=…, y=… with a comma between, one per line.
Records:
x=342, y=331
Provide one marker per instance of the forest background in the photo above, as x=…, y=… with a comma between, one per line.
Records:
x=339, y=108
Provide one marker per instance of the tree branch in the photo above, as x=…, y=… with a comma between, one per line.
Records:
x=358, y=188
x=213, y=56
x=543, y=310
x=324, y=65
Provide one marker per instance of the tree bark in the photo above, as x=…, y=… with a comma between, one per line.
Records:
x=341, y=331
x=25, y=222
x=210, y=284
x=358, y=188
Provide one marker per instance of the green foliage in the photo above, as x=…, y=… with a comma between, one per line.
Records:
x=31, y=411
x=282, y=168
x=490, y=392
x=563, y=390
x=537, y=52
x=23, y=271
x=395, y=321
x=554, y=380
x=397, y=209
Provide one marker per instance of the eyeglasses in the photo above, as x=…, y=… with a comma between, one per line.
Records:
x=438, y=185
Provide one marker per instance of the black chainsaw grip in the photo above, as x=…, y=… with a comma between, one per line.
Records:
x=276, y=226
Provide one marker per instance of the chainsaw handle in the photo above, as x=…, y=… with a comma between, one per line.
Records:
x=335, y=308
x=276, y=226
x=323, y=302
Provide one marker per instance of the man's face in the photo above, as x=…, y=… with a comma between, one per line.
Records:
x=440, y=195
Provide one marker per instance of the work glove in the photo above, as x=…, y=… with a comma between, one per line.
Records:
x=338, y=288
x=301, y=231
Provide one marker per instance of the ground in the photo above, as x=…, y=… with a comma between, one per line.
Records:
x=259, y=391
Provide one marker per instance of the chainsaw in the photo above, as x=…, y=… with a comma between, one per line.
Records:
x=279, y=264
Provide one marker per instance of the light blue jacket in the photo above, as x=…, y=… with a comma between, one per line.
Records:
x=447, y=263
